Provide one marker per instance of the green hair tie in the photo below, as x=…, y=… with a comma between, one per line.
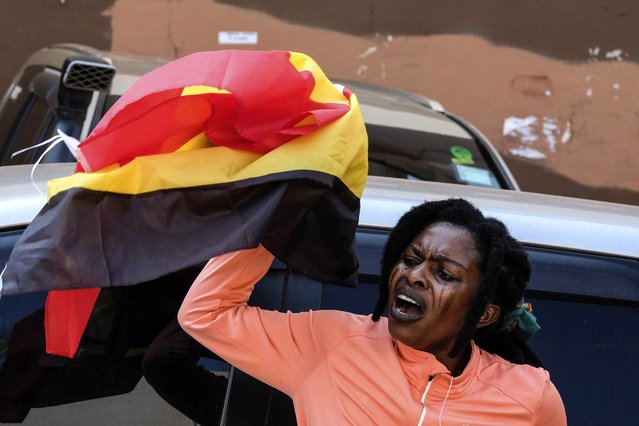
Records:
x=521, y=320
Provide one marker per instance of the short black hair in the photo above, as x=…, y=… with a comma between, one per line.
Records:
x=502, y=261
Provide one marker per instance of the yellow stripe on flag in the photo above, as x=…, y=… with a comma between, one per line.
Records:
x=338, y=149
x=324, y=90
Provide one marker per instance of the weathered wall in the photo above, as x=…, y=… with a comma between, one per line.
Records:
x=27, y=25
x=553, y=84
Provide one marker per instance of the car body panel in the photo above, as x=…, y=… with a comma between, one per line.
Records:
x=537, y=219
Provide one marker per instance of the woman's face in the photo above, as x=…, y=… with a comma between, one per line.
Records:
x=432, y=287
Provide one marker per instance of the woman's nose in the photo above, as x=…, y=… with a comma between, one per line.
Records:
x=416, y=276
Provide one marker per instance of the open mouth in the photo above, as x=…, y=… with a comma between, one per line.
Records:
x=407, y=305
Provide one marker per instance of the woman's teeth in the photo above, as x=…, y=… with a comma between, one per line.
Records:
x=407, y=299
x=406, y=309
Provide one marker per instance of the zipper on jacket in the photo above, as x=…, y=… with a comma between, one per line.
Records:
x=423, y=401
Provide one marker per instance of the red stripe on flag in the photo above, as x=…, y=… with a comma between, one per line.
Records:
x=163, y=128
x=260, y=113
x=66, y=314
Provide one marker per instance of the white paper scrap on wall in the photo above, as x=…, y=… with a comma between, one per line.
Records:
x=527, y=152
x=237, y=37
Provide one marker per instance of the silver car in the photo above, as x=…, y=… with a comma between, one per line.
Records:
x=584, y=290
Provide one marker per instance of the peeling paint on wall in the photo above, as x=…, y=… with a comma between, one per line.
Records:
x=476, y=79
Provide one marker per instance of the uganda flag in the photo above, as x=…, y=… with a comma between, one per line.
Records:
x=214, y=152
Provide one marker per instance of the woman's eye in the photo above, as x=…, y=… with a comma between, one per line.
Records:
x=410, y=261
x=444, y=275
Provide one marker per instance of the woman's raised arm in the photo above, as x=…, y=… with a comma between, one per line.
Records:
x=280, y=349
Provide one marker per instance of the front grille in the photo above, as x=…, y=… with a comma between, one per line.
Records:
x=85, y=75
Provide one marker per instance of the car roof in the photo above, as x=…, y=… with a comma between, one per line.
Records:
x=534, y=219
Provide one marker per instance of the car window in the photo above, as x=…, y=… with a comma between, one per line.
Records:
x=590, y=350
x=588, y=309
x=28, y=115
x=582, y=276
x=108, y=361
x=413, y=154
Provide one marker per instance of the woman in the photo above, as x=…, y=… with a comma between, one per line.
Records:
x=449, y=353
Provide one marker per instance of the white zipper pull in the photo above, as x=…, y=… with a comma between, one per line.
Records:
x=441, y=410
x=423, y=401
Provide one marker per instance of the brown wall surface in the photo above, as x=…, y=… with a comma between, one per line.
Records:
x=558, y=81
x=27, y=25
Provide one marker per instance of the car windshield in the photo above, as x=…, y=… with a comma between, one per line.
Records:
x=414, y=154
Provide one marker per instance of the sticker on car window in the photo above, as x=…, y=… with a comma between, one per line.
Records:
x=475, y=176
x=461, y=155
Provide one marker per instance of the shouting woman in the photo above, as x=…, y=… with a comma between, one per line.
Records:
x=452, y=350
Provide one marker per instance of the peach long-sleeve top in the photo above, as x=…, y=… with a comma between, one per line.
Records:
x=344, y=369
